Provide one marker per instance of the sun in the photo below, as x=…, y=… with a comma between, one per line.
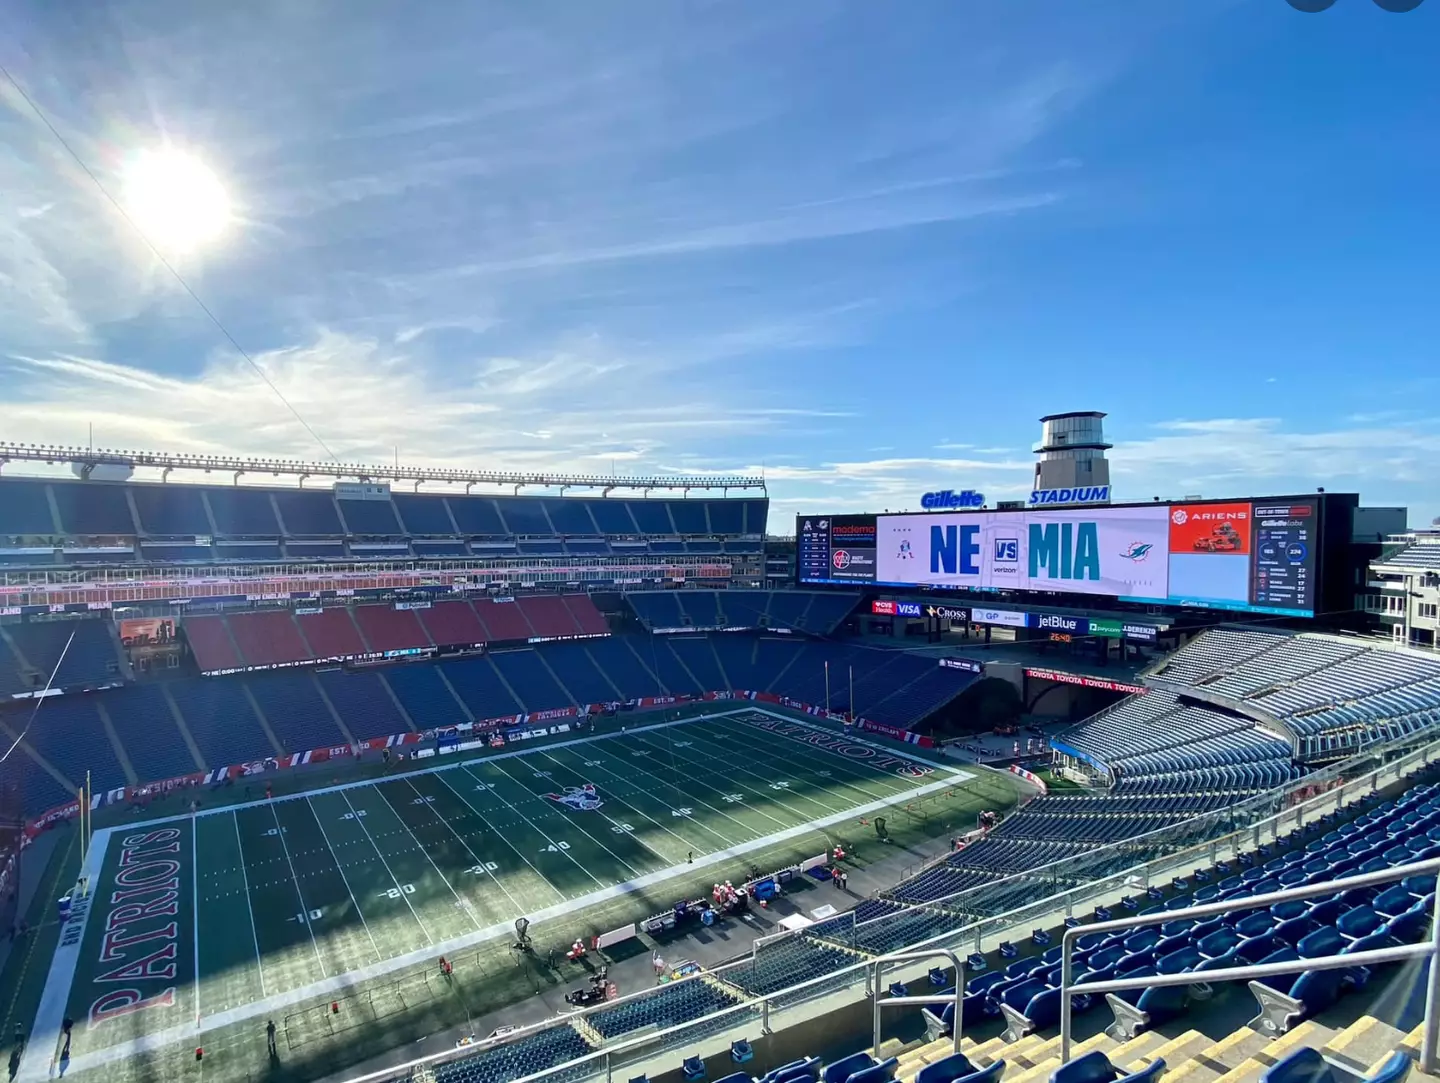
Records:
x=175, y=199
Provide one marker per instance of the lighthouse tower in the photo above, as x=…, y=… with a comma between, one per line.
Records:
x=1072, y=457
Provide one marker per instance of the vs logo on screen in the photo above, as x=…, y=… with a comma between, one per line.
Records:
x=1007, y=551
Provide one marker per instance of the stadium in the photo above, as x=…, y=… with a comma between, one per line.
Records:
x=395, y=773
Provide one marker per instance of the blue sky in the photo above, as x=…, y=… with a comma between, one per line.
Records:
x=861, y=246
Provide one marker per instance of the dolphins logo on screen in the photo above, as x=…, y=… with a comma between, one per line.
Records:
x=1137, y=551
x=580, y=798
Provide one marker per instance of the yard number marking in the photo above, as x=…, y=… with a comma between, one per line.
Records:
x=396, y=892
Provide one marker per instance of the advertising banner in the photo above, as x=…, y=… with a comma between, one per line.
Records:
x=1104, y=551
x=881, y=608
x=147, y=631
x=1009, y=618
x=1085, y=682
x=1061, y=622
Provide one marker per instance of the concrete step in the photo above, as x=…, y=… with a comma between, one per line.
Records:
x=988, y=1052
x=1410, y=1046
x=1362, y=1043
x=1308, y=1033
x=1210, y=1064
x=1136, y=1049
x=1031, y=1050
x=1036, y=1074
x=914, y=1057
x=1177, y=1050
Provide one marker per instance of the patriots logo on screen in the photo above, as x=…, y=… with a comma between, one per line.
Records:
x=580, y=798
x=906, y=552
x=1137, y=551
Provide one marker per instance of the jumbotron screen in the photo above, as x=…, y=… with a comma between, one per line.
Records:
x=1256, y=556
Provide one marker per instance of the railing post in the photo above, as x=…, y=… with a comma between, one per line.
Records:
x=608, y=1076
x=765, y=1016
x=1065, y=979
x=1432, y=998
x=875, y=1009
x=959, y=1005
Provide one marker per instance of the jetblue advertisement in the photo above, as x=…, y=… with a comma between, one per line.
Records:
x=1118, y=552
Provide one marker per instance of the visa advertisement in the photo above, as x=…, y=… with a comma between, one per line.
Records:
x=1256, y=556
x=1109, y=551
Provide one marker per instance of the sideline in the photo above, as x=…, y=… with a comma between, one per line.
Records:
x=45, y=1034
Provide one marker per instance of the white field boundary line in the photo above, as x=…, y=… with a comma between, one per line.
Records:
x=45, y=1034
x=345, y=982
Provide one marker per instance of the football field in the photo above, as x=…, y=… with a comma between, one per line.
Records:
x=201, y=922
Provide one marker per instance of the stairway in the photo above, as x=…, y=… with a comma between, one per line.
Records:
x=1191, y=1057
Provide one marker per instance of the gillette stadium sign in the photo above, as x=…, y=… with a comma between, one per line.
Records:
x=948, y=499
x=1083, y=494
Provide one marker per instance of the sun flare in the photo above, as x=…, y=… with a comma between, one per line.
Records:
x=176, y=200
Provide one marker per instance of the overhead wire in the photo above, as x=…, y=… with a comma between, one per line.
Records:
x=40, y=701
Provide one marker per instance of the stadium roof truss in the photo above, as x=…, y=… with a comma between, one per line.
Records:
x=87, y=459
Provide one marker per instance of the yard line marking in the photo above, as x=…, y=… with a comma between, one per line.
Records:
x=689, y=846
x=280, y=830
x=478, y=859
x=421, y=846
x=749, y=831
x=597, y=841
x=716, y=789
x=393, y=879
x=780, y=744
x=768, y=784
x=344, y=879
x=499, y=834
x=527, y=819
x=157, y=1040
x=340, y=787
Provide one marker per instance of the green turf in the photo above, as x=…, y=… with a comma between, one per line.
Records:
x=314, y=887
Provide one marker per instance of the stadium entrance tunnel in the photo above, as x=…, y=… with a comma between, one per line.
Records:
x=988, y=703
x=1069, y=701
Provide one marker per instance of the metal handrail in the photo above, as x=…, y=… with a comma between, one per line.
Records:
x=877, y=967
x=1329, y=962
x=1404, y=763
